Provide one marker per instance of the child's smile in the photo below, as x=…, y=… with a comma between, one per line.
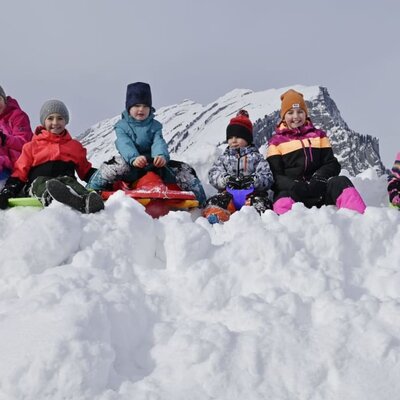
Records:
x=295, y=118
x=55, y=123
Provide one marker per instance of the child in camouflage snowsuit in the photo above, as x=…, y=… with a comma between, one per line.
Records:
x=394, y=183
x=140, y=142
x=240, y=166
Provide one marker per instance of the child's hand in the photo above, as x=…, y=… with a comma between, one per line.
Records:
x=140, y=162
x=159, y=162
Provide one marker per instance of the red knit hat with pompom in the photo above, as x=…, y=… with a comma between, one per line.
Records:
x=240, y=126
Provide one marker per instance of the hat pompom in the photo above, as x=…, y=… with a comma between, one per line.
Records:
x=240, y=126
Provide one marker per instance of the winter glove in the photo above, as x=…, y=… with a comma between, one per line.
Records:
x=11, y=189
x=3, y=138
x=232, y=182
x=4, y=196
x=317, y=186
x=300, y=191
x=260, y=202
x=247, y=181
x=396, y=200
x=240, y=182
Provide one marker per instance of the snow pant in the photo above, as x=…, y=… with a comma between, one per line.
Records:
x=38, y=187
x=174, y=172
x=339, y=191
x=222, y=204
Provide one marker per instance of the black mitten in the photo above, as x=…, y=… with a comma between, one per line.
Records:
x=247, y=181
x=300, y=191
x=240, y=182
x=233, y=182
x=4, y=200
x=11, y=189
x=317, y=186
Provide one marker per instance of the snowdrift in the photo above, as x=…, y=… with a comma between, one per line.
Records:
x=117, y=305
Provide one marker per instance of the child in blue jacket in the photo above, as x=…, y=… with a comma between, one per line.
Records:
x=139, y=140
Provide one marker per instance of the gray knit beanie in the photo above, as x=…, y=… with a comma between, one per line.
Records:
x=52, y=107
x=3, y=93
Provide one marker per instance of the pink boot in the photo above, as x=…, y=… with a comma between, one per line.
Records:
x=283, y=205
x=352, y=200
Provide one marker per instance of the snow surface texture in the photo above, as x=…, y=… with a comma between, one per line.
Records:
x=117, y=305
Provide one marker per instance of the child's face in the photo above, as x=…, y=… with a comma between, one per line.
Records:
x=295, y=118
x=2, y=104
x=55, y=123
x=139, y=112
x=236, y=142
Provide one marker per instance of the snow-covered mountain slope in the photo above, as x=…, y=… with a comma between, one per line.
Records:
x=189, y=126
x=118, y=306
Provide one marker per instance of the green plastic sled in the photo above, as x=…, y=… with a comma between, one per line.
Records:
x=24, y=202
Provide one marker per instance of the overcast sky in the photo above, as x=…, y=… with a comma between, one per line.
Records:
x=85, y=52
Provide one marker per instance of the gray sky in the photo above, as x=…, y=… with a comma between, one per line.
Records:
x=85, y=52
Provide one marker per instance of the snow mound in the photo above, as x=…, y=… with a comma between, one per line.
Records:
x=117, y=305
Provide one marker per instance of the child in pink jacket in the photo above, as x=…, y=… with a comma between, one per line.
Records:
x=15, y=131
x=394, y=183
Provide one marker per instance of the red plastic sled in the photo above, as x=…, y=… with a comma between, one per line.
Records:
x=158, y=198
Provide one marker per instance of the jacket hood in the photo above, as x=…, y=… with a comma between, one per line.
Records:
x=42, y=134
x=282, y=129
x=127, y=117
x=11, y=105
x=241, y=151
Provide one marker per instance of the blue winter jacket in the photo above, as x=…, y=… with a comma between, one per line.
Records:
x=140, y=138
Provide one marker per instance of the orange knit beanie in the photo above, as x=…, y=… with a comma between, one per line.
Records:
x=292, y=99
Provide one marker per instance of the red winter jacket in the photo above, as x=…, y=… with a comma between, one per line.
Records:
x=51, y=155
x=14, y=123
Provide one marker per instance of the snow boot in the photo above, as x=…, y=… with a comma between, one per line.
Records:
x=62, y=193
x=93, y=203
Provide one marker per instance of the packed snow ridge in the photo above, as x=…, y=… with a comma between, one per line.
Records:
x=116, y=305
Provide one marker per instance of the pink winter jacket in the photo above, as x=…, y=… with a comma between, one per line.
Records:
x=14, y=123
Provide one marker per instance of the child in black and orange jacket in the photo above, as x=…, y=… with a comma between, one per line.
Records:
x=303, y=164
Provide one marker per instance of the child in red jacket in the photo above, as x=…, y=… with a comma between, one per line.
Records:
x=46, y=168
x=15, y=131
